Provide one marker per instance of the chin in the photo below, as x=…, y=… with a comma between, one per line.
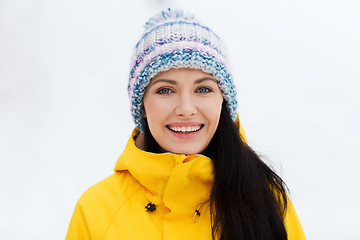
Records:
x=186, y=151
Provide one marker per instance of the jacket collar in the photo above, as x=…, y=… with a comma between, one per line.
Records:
x=152, y=170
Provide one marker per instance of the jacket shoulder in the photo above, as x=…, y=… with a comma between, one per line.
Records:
x=292, y=223
x=116, y=187
x=97, y=206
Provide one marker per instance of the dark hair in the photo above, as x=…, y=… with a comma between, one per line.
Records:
x=248, y=199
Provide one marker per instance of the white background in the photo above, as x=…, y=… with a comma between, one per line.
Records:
x=65, y=119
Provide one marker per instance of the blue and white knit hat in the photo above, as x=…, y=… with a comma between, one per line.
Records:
x=175, y=40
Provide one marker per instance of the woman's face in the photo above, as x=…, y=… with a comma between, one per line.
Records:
x=182, y=107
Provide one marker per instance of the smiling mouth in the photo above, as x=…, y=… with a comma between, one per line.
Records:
x=185, y=129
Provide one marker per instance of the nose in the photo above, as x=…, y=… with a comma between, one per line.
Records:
x=186, y=106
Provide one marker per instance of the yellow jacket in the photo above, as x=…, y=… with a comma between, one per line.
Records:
x=177, y=184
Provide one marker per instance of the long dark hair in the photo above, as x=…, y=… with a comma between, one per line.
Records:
x=248, y=199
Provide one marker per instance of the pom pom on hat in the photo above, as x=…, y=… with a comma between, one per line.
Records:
x=168, y=15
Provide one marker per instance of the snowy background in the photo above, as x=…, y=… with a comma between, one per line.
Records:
x=64, y=111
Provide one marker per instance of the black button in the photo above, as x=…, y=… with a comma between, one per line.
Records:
x=150, y=207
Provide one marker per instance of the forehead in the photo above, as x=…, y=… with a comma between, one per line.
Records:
x=179, y=74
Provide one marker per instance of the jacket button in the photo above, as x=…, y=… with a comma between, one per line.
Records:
x=150, y=207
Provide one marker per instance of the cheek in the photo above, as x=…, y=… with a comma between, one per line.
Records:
x=212, y=109
x=155, y=109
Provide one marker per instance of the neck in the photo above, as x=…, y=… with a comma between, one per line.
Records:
x=140, y=141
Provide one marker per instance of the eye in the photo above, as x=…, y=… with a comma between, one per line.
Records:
x=164, y=91
x=204, y=90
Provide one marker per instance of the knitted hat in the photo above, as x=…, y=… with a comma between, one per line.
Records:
x=175, y=40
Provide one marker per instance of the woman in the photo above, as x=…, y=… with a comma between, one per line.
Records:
x=187, y=171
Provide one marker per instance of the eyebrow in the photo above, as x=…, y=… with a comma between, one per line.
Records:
x=205, y=79
x=164, y=80
x=175, y=83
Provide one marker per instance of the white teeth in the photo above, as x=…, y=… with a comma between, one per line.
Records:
x=185, y=129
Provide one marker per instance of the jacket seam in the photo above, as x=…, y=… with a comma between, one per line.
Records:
x=113, y=217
